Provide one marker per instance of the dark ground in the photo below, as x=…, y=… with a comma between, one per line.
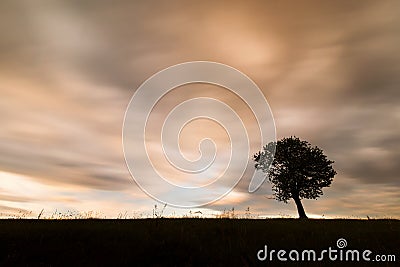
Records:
x=187, y=242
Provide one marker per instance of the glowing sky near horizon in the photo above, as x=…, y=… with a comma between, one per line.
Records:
x=329, y=70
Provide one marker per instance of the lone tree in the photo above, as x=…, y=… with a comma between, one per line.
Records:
x=298, y=170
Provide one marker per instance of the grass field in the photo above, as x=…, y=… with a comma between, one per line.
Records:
x=187, y=242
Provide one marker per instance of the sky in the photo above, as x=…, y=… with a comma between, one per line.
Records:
x=68, y=69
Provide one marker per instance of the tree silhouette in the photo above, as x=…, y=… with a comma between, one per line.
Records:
x=298, y=170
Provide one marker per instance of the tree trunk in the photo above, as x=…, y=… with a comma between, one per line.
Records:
x=300, y=209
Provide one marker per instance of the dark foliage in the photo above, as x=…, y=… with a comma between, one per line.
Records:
x=298, y=170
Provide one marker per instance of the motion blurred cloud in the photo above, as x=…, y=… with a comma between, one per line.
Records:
x=68, y=69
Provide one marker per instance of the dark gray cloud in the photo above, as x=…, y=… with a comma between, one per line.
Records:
x=328, y=69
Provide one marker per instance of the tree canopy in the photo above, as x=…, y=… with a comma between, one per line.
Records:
x=297, y=171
